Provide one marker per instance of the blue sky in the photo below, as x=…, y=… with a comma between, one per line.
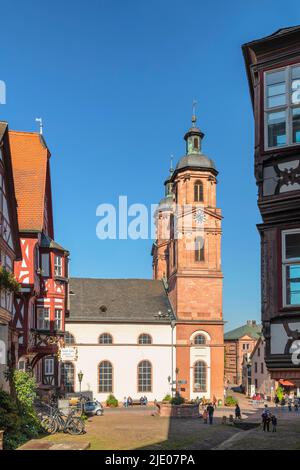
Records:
x=113, y=82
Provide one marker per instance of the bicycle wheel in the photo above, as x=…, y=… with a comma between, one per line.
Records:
x=49, y=425
x=75, y=426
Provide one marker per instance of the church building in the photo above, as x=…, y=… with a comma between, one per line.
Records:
x=152, y=337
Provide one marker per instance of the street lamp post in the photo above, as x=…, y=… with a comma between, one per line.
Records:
x=80, y=377
x=170, y=316
x=173, y=324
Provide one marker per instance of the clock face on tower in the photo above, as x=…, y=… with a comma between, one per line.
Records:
x=199, y=216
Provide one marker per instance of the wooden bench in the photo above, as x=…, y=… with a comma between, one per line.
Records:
x=135, y=402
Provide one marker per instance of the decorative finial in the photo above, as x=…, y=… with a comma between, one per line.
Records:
x=194, y=117
x=40, y=120
x=171, y=164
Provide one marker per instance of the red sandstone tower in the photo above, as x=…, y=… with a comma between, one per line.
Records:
x=187, y=254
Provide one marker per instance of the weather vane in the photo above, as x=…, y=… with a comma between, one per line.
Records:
x=194, y=117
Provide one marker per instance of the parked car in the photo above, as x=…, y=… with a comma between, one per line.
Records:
x=93, y=407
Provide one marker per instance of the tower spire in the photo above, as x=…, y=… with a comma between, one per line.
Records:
x=171, y=164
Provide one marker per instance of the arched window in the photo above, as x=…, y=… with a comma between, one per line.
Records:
x=200, y=376
x=105, y=338
x=68, y=376
x=144, y=376
x=198, y=191
x=105, y=374
x=69, y=338
x=196, y=143
x=199, y=249
x=144, y=338
x=199, y=339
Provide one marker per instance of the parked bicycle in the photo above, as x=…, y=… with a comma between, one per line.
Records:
x=57, y=421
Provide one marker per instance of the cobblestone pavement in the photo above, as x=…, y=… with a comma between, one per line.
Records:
x=137, y=428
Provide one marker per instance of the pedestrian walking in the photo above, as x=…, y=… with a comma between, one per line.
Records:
x=238, y=412
x=296, y=405
x=210, y=410
x=274, y=423
x=266, y=421
x=214, y=402
x=205, y=416
x=290, y=405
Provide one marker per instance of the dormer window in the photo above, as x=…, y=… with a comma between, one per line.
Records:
x=282, y=107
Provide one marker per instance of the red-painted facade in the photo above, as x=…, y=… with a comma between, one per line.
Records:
x=40, y=308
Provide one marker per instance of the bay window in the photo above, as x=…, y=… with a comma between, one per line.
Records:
x=282, y=107
x=43, y=318
x=57, y=266
x=291, y=267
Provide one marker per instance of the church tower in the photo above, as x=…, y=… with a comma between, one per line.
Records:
x=193, y=271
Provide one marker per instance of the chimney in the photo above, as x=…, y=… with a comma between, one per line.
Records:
x=251, y=322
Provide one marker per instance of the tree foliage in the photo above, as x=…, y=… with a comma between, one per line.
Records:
x=18, y=418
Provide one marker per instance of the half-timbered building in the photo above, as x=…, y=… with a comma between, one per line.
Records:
x=273, y=69
x=9, y=252
x=40, y=308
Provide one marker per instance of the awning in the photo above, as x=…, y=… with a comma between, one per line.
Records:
x=286, y=383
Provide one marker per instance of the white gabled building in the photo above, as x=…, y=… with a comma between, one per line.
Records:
x=123, y=331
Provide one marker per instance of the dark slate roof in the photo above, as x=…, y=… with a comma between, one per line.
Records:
x=199, y=161
x=250, y=329
x=289, y=29
x=47, y=242
x=166, y=203
x=125, y=300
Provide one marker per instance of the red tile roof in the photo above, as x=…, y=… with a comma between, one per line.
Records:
x=29, y=160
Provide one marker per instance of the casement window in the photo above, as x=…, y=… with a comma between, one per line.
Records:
x=198, y=191
x=144, y=338
x=200, y=376
x=43, y=318
x=58, y=319
x=262, y=367
x=69, y=338
x=291, y=267
x=67, y=377
x=105, y=374
x=199, y=339
x=282, y=107
x=255, y=367
x=45, y=264
x=144, y=376
x=199, y=249
x=105, y=338
x=49, y=366
x=57, y=266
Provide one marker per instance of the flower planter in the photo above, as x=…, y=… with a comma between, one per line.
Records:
x=186, y=410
